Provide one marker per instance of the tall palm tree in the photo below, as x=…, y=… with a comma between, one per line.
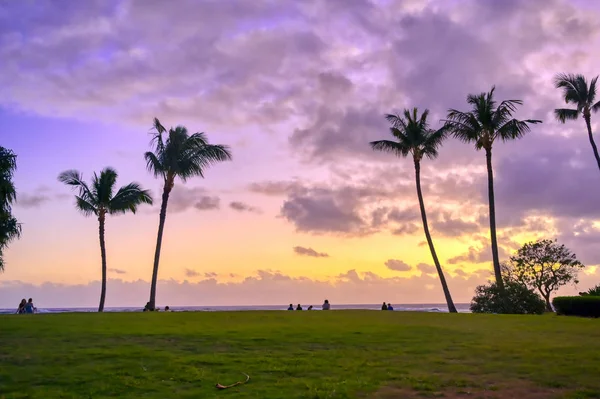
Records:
x=10, y=228
x=182, y=155
x=98, y=200
x=576, y=91
x=482, y=125
x=414, y=137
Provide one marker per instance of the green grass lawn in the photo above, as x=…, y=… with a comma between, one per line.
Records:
x=338, y=354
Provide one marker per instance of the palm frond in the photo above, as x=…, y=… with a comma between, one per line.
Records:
x=396, y=121
x=389, y=146
x=8, y=165
x=565, y=114
x=515, y=129
x=596, y=107
x=85, y=206
x=128, y=198
x=196, y=159
x=154, y=165
x=106, y=184
x=74, y=178
x=591, y=94
x=463, y=125
x=432, y=141
x=571, y=85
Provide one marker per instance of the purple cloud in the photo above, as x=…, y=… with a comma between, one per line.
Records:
x=310, y=252
x=397, y=265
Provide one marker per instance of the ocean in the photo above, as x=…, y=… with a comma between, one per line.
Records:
x=442, y=308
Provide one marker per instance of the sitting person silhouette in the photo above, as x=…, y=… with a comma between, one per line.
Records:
x=291, y=307
x=326, y=305
x=389, y=307
x=299, y=307
x=384, y=307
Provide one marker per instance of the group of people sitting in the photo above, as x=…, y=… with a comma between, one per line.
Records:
x=148, y=308
x=325, y=306
x=26, y=307
x=387, y=307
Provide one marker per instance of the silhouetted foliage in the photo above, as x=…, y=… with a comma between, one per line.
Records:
x=414, y=137
x=10, y=228
x=98, y=200
x=594, y=291
x=576, y=91
x=585, y=306
x=482, y=125
x=182, y=155
x=543, y=266
x=514, y=298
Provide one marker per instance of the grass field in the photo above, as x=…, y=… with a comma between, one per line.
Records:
x=338, y=354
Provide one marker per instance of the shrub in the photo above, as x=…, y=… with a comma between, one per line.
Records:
x=586, y=306
x=594, y=291
x=516, y=299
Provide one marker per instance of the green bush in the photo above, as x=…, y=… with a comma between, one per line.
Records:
x=586, y=306
x=516, y=299
x=594, y=291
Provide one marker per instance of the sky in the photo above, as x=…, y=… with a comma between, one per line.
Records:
x=306, y=210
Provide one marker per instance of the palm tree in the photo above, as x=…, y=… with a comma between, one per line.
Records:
x=482, y=125
x=414, y=137
x=576, y=91
x=10, y=228
x=182, y=155
x=98, y=200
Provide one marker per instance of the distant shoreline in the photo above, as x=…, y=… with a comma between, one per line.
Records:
x=429, y=307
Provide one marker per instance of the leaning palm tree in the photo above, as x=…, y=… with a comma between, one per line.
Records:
x=182, y=155
x=414, y=137
x=98, y=200
x=10, y=228
x=483, y=124
x=576, y=91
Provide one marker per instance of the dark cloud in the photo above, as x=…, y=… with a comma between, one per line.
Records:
x=479, y=255
x=426, y=269
x=191, y=273
x=397, y=265
x=274, y=188
x=454, y=227
x=210, y=275
x=183, y=198
x=117, y=271
x=32, y=200
x=207, y=203
x=406, y=229
x=243, y=207
x=310, y=252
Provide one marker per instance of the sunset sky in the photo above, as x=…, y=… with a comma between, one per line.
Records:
x=297, y=89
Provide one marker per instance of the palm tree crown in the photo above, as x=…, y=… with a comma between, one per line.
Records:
x=98, y=199
x=181, y=154
x=486, y=122
x=413, y=134
x=576, y=91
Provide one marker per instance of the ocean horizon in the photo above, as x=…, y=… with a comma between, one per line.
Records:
x=420, y=307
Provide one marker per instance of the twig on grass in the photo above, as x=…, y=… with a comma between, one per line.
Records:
x=219, y=386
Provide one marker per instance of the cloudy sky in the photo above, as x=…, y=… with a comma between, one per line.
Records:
x=306, y=210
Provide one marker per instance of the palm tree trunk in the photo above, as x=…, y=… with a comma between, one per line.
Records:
x=451, y=307
x=588, y=123
x=492, y=205
x=161, y=227
x=101, y=220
